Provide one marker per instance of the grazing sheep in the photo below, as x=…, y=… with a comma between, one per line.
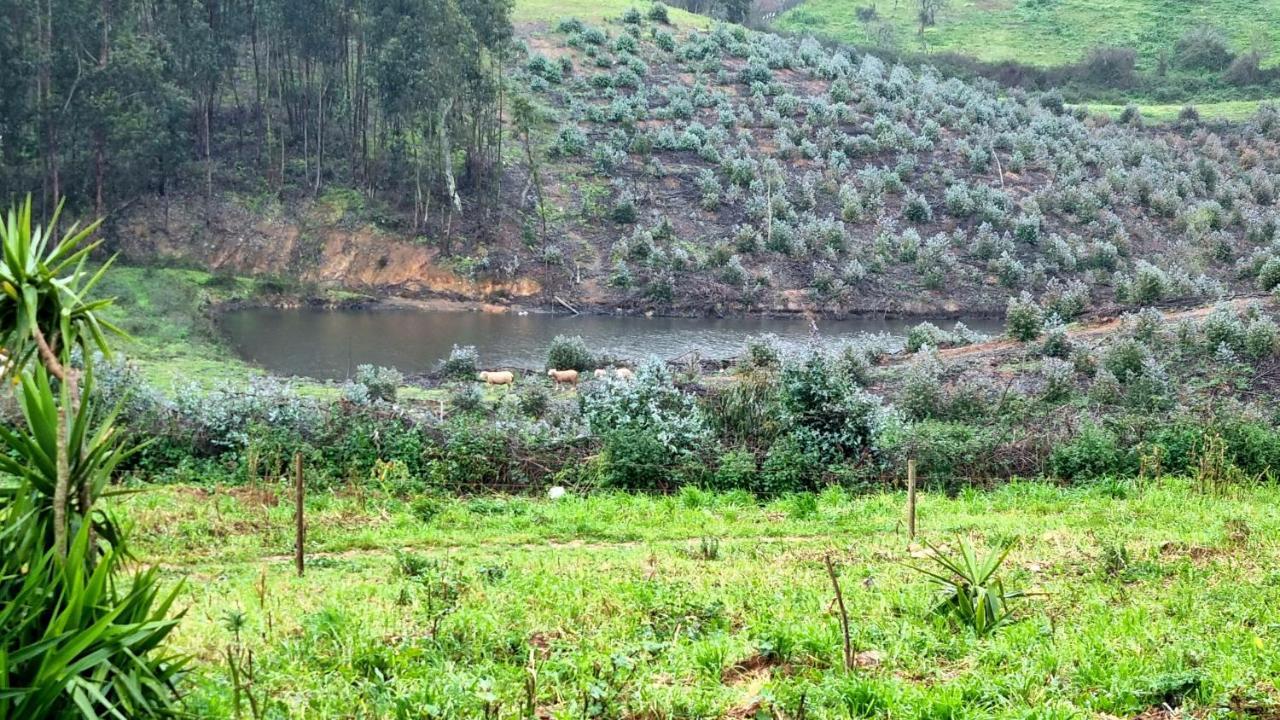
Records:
x=568, y=377
x=621, y=373
x=503, y=377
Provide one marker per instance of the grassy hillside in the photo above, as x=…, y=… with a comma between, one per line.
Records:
x=1045, y=32
x=550, y=11
x=726, y=169
x=1228, y=110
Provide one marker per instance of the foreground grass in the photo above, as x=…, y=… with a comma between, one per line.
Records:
x=1155, y=595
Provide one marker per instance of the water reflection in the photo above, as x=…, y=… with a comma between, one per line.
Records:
x=330, y=343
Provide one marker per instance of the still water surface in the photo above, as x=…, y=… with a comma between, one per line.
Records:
x=328, y=344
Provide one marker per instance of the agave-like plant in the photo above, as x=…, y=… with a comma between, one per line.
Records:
x=76, y=638
x=35, y=456
x=970, y=592
x=45, y=283
x=73, y=643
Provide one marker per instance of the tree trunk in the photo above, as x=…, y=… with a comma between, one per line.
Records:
x=99, y=129
x=53, y=189
x=206, y=119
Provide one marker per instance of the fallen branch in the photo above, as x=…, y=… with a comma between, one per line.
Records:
x=572, y=309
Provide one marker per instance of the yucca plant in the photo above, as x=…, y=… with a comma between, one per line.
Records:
x=32, y=453
x=73, y=642
x=970, y=593
x=76, y=638
x=45, y=283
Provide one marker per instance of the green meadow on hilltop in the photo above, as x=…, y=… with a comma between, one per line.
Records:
x=1116, y=52
x=1045, y=32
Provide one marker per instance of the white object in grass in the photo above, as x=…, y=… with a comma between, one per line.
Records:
x=555, y=493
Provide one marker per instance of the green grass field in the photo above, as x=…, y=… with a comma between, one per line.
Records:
x=701, y=605
x=550, y=11
x=1232, y=110
x=1045, y=32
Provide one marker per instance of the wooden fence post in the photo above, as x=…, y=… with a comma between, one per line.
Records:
x=300, y=522
x=844, y=614
x=911, y=499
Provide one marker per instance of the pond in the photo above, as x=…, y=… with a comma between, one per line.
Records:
x=329, y=344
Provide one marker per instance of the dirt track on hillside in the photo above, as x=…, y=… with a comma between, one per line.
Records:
x=1100, y=327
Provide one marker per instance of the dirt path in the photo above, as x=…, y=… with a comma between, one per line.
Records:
x=1098, y=328
x=549, y=545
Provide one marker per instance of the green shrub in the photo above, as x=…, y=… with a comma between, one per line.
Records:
x=462, y=363
x=534, y=401
x=1150, y=284
x=921, y=396
x=381, y=383
x=916, y=209
x=1254, y=446
x=1056, y=343
x=634, y=459
x=466, y=398
x=572, y=141
x=1106, y=388
x=824, y=407
x=1124, y=359
x=658, y=13
x=1269, y=274
x=1023, y=319
x=648, y=426
x=736, y=470
x=1059, y=380
x=762, y=352
x=1262, y=338
x=747, y=410
x=793, y=464
x=624, y=211
x=1093, y=453
x=569, y=353
x=1203, y=48
x=362, y=438
x=950, y=453
x=1151, y=389
x=1053, y=102
x=925, y=334
x=471, y=456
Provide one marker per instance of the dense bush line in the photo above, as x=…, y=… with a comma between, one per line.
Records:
x=1158, y=395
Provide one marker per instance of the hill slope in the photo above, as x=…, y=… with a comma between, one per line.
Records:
x=651, y=166
x=736, y=169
